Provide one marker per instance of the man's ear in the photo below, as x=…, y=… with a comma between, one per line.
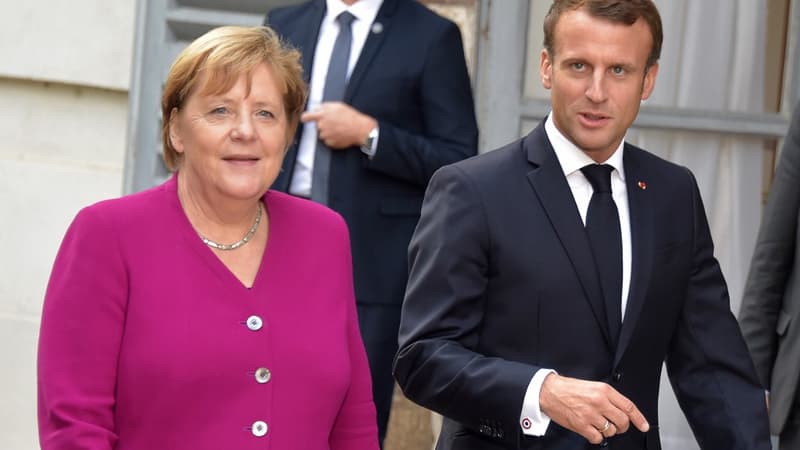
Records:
x=649, y=82
x=546, y=69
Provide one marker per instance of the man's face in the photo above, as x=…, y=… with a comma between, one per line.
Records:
x=597, y=79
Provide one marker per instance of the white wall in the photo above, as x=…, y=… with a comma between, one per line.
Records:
x=64, y=76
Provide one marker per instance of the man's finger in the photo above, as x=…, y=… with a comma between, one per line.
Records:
x=618, y=419
x=611, y=430
x=631, y=411
x=592, y=434
x=309, y=116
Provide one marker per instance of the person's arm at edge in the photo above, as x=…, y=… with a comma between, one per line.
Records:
x=437, y=366
x=81, y=330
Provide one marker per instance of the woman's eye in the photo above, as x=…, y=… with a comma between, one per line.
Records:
x=265, y=114
x=220, y=110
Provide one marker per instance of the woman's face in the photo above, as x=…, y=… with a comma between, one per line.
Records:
x=232, y=144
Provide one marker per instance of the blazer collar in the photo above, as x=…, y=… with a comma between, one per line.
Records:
x=551, y=188
x=640, y=206
x=380, y=29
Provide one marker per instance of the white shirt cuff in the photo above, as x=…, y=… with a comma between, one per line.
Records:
x=532, y=420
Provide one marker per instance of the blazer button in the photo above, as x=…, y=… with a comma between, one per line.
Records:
x=604, y=444
x=263, y=375
x=259, y=428
x=254, y=323
x=616, y=377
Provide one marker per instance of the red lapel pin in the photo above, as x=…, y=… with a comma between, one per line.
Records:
x=642, y=185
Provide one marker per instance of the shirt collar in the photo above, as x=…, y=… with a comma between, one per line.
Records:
x=362, y=9
x=573, y=158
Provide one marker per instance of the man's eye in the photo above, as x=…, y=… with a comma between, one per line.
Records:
x=617, y=70
x=578, y=66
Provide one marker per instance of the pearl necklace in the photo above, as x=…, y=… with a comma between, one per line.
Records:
x=240, y=242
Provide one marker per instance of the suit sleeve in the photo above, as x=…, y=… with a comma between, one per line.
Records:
x=708, y=363
x=439, y=364
x=355, y=427
x=81, y=330
x=449, y=129
x=773, y=259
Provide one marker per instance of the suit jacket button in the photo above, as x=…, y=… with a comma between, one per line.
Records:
x=616, y=377
x=604, y=444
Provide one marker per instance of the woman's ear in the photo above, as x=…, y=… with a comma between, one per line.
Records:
x=174, y=131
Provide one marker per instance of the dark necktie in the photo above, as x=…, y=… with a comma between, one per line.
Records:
x=605, y=237
x=335, y=85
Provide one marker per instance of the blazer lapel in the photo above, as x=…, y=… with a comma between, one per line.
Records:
x=381, y=27
x=554, y=194
x=308, y=41
x=641, y=220
x=305, y=36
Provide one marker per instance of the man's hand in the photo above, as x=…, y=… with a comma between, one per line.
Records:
x=592, y=409
x=339, y=125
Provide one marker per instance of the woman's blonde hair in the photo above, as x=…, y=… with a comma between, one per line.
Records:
x=221, y=56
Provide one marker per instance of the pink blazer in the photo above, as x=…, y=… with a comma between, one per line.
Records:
x=149, y=342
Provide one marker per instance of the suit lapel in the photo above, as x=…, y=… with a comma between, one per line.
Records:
x=304, y=34
x=641, y=221
x=308, y=41
x=556, y=198
x=377, y=34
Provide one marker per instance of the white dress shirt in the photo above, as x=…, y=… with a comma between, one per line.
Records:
x=532, y=420
x=365, y=12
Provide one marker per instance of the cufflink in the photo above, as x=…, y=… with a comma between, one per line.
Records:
x=526, y=423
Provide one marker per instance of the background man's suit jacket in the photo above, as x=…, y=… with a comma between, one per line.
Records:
x=771, y=303
x=503, y=283
x=412, y=78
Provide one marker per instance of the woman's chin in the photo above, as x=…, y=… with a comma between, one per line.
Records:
x=244, y=190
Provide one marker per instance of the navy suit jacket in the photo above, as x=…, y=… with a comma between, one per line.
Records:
x=412, y=78
x=503, y=283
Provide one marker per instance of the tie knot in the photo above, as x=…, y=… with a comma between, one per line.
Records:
x=345, y=19
x=599, y=175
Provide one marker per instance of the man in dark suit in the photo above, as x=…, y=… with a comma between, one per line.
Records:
x=771, y=304
x=406, y=109
x=526, y=328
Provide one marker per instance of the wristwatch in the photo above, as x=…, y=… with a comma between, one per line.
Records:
x=367, y=146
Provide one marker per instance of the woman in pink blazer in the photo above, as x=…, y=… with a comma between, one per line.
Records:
x=209, y=312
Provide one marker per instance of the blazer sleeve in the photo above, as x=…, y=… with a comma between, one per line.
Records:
x=708, y=362
x=355, y=427
x=449, y=128
x=773, y=259
x=439, y=364
x=81, y=330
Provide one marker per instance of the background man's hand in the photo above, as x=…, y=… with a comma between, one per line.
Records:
x=339, y=125
x=585, y=406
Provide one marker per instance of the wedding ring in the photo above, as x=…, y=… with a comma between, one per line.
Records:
x=605, y=427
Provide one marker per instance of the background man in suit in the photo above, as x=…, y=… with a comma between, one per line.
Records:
x=403, y=109
x=771, y=303
x=527, y=329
